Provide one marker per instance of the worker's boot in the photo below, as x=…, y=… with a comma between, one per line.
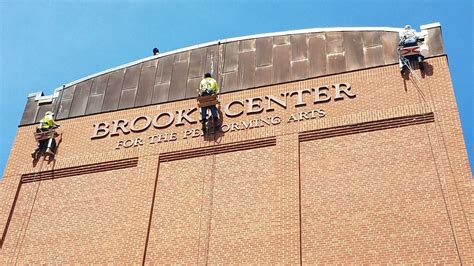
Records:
x=405, y=72
x=49, y=151
x=421, y=65
x=34, y=153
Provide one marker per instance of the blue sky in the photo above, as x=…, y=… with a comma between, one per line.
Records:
x=44, y=44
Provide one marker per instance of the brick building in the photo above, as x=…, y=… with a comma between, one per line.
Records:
x=326, y=155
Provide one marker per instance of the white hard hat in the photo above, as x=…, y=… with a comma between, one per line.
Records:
x=407, y=27
x=49, y=113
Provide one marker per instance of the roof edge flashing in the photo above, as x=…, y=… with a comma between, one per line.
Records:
x=430, y=26
x=227, y=40
x=36, y=94
x=311, y=30
x=41, y=98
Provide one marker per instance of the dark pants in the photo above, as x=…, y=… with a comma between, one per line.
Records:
x=410, y=42
x=204, y=110
x=204, y=113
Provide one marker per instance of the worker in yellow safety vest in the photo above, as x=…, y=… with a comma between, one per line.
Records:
x=208, y=86
x=47, y=123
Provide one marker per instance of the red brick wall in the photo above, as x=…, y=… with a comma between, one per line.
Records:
x=176, y=224
x=374, y=198
x=399, y=195
x=97, y=218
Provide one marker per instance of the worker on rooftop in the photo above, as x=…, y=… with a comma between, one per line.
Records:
x=156, y=51
x=47, y=124
x=208, y=87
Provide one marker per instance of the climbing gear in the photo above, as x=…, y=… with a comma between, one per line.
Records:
x=207, y=100
x=44, y=138
x=45, y=134
x=411, y=47
x=49, y=152
x=407, y=65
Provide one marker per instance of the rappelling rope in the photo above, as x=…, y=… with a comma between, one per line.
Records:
x=447, y=201
x=406, y=63
x=417, y=83
x=212, y=173
x=32, y=197
x=26, y=217
x=211, y=196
